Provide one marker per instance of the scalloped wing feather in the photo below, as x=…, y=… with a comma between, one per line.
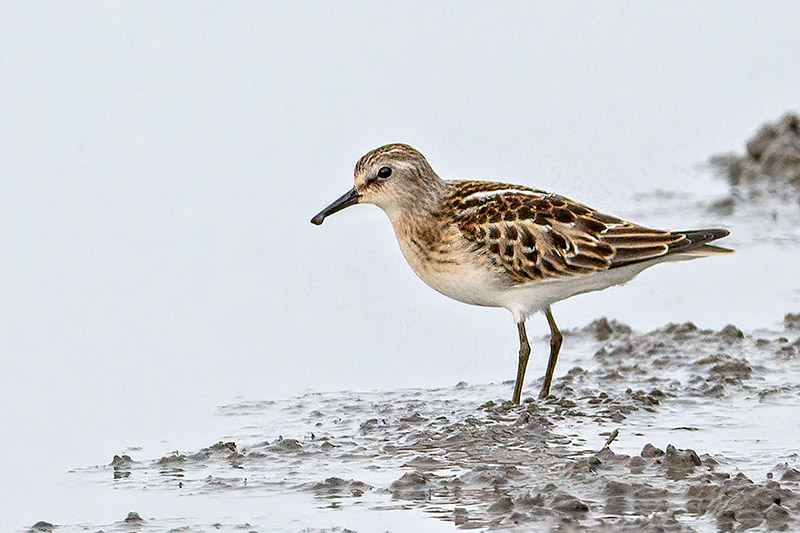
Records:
x=531, y=235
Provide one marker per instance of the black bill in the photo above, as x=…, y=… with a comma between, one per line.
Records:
x=346, y=200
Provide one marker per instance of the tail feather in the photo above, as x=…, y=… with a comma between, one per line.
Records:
x=697, y=241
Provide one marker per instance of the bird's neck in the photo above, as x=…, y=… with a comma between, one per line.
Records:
x=420, y=210
x=421, y=225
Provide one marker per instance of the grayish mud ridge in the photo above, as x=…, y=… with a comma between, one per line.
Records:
x=761, y=203
x=770, y=166
x=481, y=463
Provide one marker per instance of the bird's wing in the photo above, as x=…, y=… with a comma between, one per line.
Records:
x=532, y=235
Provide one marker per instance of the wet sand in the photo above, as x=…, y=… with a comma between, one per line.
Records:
x=469, y=458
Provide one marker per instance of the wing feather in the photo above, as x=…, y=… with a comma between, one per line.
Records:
x=530, y=235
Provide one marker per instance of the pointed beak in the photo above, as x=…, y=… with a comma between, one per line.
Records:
x=346, y=200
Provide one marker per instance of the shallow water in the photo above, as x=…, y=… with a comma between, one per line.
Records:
x=350, y=458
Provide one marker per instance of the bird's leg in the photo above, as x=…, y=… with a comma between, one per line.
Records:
x=524, y=352
x=555, y=346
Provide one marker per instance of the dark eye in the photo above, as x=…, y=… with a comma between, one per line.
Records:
x=384, y=172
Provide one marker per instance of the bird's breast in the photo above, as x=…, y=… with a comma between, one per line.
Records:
x=444, y=262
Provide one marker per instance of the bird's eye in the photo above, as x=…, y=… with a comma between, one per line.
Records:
x=384, y=172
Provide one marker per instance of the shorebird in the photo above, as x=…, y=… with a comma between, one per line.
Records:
x=501, y=245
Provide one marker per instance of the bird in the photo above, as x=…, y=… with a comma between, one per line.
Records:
x=509, y=246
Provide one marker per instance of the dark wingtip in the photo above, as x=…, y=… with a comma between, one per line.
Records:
x=695, y=238
x=718, y=233
x=317, y=220
x=707, y=235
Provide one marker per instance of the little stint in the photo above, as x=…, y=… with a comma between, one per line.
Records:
x=500, y=245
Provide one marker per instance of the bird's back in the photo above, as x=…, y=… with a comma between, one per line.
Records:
x=493, y=242
x=532, y=235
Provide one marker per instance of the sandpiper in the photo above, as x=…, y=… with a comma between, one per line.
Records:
x=500, y=245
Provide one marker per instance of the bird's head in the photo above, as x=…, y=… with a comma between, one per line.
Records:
x=396, y=178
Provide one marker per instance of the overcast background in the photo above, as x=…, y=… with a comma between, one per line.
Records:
x=159, y=163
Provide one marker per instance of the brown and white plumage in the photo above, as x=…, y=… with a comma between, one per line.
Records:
x=501, y=245
x=535, y=236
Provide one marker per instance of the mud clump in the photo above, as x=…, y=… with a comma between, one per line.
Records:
x=739, y=503
x=649, y=365
x=285, y=445
x=173, y=461
x=731, y=333
x=603, y=328
x=42, y=527
x=771, y=162
x=678, y=464
x=650, y=451
x=334, y=486
x=122, y=465
x=568, y=504
x=413, y=486
x=792, y=321
x=122, y=461
x=460, y=516
x=133, y=518
x=731, y=371
x=790, y=474
x=656, y=523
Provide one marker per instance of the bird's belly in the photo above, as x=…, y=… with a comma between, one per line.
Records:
x=465, y=284
x=524, y=300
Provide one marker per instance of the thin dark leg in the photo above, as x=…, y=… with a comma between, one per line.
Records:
x=555, y=347
x=524, y=352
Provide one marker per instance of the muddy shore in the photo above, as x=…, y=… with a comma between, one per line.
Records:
x=468, y=457
x=767, y=170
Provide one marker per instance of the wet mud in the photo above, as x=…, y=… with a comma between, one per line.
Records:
x=466, y=456
x=769, y=167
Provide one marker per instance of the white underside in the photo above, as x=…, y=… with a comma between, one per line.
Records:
x=525, y=300
x=481, y=288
